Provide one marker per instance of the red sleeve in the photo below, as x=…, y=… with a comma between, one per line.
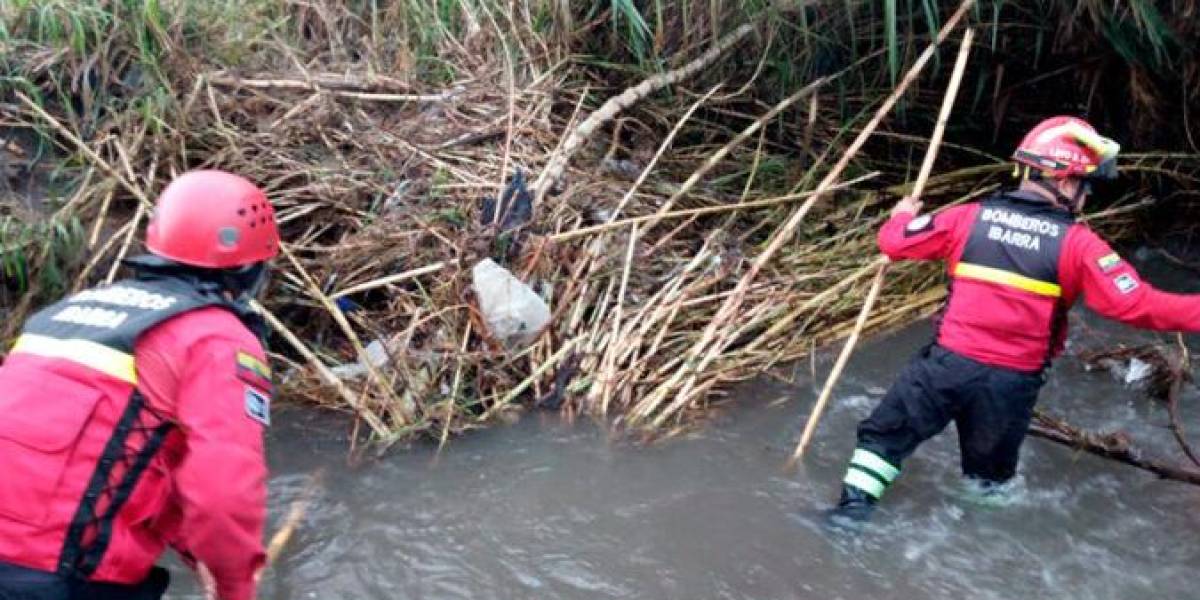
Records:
x=925, y=237
x=221, y=480
x=1114, y=289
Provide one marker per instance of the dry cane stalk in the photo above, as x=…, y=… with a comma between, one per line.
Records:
x=390, y=279
x=662, y=148
x=87, y=151
x=609, y=363
x=746, y=133
x=960, y=65
x=705, y=210
x=454, y=388
x=291, y=522
x=617, y=104
x=538, y=373
x=738, y=140
x=323, y=371
x=709, y=346
x=130, y=234
x=340, y=318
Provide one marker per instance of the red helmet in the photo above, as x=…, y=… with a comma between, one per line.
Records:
x=1062, y=147
x=215, y=220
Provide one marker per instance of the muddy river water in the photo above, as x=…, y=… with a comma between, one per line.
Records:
x=545, y=509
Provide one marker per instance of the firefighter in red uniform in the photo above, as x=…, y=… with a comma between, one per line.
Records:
x=132, y=414
x=1017, y=262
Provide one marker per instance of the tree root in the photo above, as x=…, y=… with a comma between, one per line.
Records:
x=1116, y=446
x=1166, y=382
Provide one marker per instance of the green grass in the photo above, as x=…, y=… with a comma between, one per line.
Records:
x=39, y=256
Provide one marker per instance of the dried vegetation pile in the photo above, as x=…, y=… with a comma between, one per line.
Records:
x=379, y=128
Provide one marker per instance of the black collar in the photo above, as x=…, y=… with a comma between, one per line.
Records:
x=1035, y=199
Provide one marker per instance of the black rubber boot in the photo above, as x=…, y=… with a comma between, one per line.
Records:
x=854, y=507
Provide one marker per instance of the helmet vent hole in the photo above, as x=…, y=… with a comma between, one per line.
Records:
x=255, y=207
x=241, y=212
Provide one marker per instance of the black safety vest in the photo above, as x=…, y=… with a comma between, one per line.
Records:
x=1016, y=241
x=98, y=329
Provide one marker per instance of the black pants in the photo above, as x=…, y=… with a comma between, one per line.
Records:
x=991, y=407
x=20, y=583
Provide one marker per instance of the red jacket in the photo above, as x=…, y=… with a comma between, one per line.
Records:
x=205, y=390
x=1017, y=263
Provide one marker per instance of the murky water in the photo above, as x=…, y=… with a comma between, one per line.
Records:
x=544, y=509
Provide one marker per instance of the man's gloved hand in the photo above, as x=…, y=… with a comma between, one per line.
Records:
x=907, y=204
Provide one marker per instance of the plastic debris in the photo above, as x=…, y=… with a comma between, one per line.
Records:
x=1137, y=371
x=515, y=314
x=515, y=206
x=375, y=352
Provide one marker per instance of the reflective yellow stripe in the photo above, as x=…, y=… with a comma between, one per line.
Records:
x=1008, y=278
x=89, y=354
x=876, y=464
x=864, y=482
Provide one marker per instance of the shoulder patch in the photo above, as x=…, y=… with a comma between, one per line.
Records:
x=1125, y=283
x=1108, y=262
x=253, y=371
x=258, y=406
x=919, y=224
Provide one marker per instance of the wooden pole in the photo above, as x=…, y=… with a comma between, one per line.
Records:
x=617, y=104
x=711, y=343
x=935, y=142
x=291, y=522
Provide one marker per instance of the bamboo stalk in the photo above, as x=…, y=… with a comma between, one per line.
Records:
x=391, y=279
x=85, y=149
x=542, y=369
x=129, y=236
x=718, y=156
x=295, y=515
x=617, y=104
x=706, y=210
x=666, y=143
x=454, y=389
x=880, y=274
x=330, y=85
x=323, y=371
x=711, y=343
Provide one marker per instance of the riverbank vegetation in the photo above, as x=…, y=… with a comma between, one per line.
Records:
x=379, y=127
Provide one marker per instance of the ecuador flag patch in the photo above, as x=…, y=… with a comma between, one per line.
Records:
x=253, y=371
x=1108, y=262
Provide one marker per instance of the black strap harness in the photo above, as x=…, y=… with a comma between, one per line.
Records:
x=116, y=316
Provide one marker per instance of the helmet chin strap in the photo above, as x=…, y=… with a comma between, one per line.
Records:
x=246, y=282
x=1071, y=203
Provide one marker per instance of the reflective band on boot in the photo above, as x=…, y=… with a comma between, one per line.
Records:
x=870, y=473
x=873, y=487
x=872, y=462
